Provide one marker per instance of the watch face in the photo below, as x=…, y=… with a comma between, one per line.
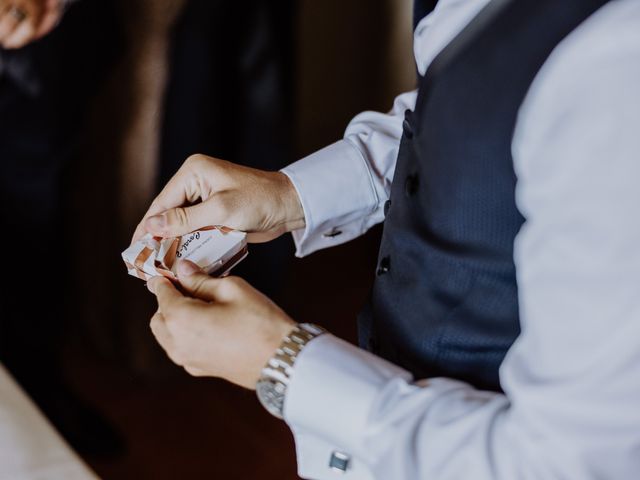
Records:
x=271, y=396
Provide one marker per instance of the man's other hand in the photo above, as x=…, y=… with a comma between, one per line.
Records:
x=24, y=21
x=208, y=191
x=219, y=327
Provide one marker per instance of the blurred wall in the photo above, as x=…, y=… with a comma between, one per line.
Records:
x=351, y=56
x=112, y=184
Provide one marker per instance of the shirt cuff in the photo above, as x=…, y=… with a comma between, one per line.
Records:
x=338, y=196
x=329, y=399
x=314, y=459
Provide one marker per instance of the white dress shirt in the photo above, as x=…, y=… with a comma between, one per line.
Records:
x=571, y=408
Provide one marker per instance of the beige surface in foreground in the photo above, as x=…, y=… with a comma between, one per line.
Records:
x=30, y=449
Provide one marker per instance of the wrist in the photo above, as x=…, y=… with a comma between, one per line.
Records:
x=272, y=386
x=290, y=204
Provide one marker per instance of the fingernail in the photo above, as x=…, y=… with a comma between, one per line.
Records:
x=187, y=268
x=157, y=223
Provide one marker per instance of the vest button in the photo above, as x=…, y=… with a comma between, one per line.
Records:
x=407, y=129
x=411, y=184
x=333, y=233
x=387, y=206
x=384, y=267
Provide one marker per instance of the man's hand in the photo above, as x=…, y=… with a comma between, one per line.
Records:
x=220, y=327
x=24, y=21
x=208, y=191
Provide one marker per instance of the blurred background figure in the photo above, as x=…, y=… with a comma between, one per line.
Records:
x=51, y=63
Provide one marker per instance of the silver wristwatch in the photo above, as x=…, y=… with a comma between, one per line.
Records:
x=273, y=383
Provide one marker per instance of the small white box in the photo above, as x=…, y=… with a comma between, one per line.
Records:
x=214, y=249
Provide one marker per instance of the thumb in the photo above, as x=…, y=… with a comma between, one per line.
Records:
x=196, y=283
x=169, y=298
x=178, y=221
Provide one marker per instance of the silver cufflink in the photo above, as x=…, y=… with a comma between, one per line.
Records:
x=339, y=462
x=333, y=233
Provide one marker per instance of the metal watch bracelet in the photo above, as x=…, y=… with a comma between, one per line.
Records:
x=276, y=374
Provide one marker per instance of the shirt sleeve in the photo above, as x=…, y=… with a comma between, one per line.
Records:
x=571, y=407
x=344, y=186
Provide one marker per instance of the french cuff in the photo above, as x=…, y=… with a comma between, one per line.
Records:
x=329, y=399
x=338, y=196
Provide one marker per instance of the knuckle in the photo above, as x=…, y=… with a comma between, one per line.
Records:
x=197, y=161
x=194, y=372
x=180, y=356
x=193, y=160
x=176, y=358
x=153, y=326
x=155, y=319
x=236, y=282
x=231, y=285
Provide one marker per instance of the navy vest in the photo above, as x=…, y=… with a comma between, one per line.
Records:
x=445, y=300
